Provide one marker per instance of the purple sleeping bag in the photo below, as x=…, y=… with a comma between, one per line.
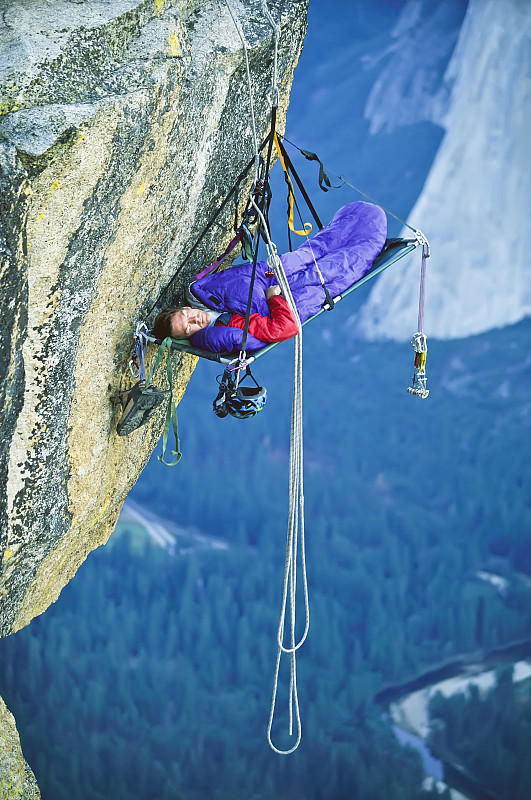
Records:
x=344, y=251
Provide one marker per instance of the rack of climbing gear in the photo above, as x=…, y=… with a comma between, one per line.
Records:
x=141, y=401
x=241, y=402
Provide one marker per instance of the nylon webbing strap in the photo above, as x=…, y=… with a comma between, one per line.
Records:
x=261, y=205
x=307, y=226
x=324, y=180
x=299, y=183
x=171, y=411
x=422, y=290
x=288, y=167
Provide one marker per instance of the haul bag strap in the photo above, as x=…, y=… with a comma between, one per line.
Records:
x=171, y=411
x=307, y=226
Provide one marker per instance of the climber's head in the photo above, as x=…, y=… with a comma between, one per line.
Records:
x=180, y=322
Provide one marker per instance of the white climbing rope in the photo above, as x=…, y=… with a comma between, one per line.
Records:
x=295, y=528
x=272, y=93
x=295, y=519
x=295, y=531
x=244, y=45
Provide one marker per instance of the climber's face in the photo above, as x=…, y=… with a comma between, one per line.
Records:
x=188, y=321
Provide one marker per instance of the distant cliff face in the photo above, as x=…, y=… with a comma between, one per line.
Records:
x=474, y=206
x=122, y=125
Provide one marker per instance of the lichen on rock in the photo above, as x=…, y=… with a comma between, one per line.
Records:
x=122, y=126
x=17, y=781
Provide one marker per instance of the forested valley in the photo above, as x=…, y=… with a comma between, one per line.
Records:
x=151, y=676
x=488, y=734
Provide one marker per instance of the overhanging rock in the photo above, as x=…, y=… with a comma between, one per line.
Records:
x=122, y=125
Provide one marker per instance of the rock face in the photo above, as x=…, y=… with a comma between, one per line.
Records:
x=475, y=203
x=122, y=126
x=16, y=778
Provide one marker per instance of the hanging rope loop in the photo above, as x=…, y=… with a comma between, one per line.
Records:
x=295, y=533
x=258, y=201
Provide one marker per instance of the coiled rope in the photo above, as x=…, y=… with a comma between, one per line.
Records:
x=295, y=521
x=295, y=532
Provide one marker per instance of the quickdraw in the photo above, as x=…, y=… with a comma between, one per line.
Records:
x=418, y=385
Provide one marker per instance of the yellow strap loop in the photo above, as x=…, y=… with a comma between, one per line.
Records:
x=307, y=225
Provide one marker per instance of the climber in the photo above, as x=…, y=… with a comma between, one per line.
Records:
x=182, y=322
x=341, y=253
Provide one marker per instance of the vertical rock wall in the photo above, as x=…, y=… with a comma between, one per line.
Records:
x=122, y=126
x=474, y=206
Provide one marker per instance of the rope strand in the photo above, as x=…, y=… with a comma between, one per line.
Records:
x=253, y=123
x=296, y=487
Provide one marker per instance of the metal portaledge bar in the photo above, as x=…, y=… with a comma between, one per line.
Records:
x=373, y=272
x=182, y=346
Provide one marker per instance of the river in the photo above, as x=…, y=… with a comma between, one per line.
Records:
x=406, y=705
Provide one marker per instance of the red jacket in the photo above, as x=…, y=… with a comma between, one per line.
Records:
x=279, y=326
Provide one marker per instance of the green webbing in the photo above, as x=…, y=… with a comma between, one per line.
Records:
x=171, y=411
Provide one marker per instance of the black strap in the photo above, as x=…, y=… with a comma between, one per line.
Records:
x=235, y=190
x=329, y=304
x=300, y=184
x=323, y=177
x=262, y=205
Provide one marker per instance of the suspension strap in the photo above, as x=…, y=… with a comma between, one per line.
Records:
x=213, y=267
x=286, y=160
x=261, y=209
x=171, y=411
x=356, y=189
x=421, y=239
x=419, y=341
x=307, y=226
x=324, y=181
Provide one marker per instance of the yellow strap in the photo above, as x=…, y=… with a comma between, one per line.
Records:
x=307, y=225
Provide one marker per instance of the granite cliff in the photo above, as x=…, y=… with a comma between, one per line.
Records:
x=474, y=204
x=122, y=125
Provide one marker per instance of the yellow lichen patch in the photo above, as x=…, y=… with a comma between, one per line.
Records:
x=16, y=778
x=8, y=554
x=41, y=216
x=141, y=189
x=173, y=43
x=160, y=5
x=55, y=185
